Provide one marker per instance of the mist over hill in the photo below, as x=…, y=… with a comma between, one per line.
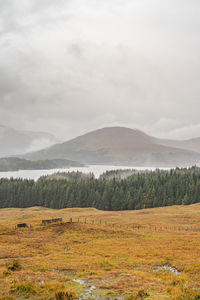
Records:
x=121, y=146
x=14, y=142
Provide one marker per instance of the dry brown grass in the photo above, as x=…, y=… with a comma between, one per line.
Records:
x=119, y=260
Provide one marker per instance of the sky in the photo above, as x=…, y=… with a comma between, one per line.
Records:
x=71, y=66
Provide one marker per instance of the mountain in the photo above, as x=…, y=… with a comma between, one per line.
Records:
x=118, y=146
x=191, y=144
x=16, y=164
x=14, y=142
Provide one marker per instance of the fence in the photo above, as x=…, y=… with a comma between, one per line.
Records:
x=118, y=226
x=156, y=228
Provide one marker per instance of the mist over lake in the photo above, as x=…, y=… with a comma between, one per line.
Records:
x=97, y=170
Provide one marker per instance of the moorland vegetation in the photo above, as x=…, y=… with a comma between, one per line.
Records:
x=149, y=254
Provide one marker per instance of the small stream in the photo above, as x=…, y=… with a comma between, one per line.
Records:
x=90, y=293
x=89, y=290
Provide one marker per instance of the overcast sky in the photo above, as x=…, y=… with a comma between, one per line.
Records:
x=72, y=66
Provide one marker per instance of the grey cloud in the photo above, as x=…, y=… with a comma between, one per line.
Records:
x=72, y=66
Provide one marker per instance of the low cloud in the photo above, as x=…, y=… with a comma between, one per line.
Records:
x=39, y=144
x=189, y=131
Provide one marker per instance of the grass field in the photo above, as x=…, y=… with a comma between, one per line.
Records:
x=146, y=254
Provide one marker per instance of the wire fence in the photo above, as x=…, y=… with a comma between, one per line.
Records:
x=115, y=225
x=155, y=227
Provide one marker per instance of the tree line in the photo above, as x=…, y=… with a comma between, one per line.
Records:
x=75, y=189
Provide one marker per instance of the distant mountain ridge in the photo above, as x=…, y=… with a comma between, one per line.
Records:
x=15, y=142
x=122, y=146
x=190, y=144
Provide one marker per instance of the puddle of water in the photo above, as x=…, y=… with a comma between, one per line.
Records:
x=168, y=268
x=19, y=257
x=42, y=282
x=80, y=281
x=64, y=272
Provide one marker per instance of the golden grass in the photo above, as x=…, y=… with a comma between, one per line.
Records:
x=118, y=260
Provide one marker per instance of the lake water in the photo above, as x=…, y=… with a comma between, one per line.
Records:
x=97, y=170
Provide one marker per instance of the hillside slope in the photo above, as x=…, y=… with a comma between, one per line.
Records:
x=16, y=164
x=118, y=146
